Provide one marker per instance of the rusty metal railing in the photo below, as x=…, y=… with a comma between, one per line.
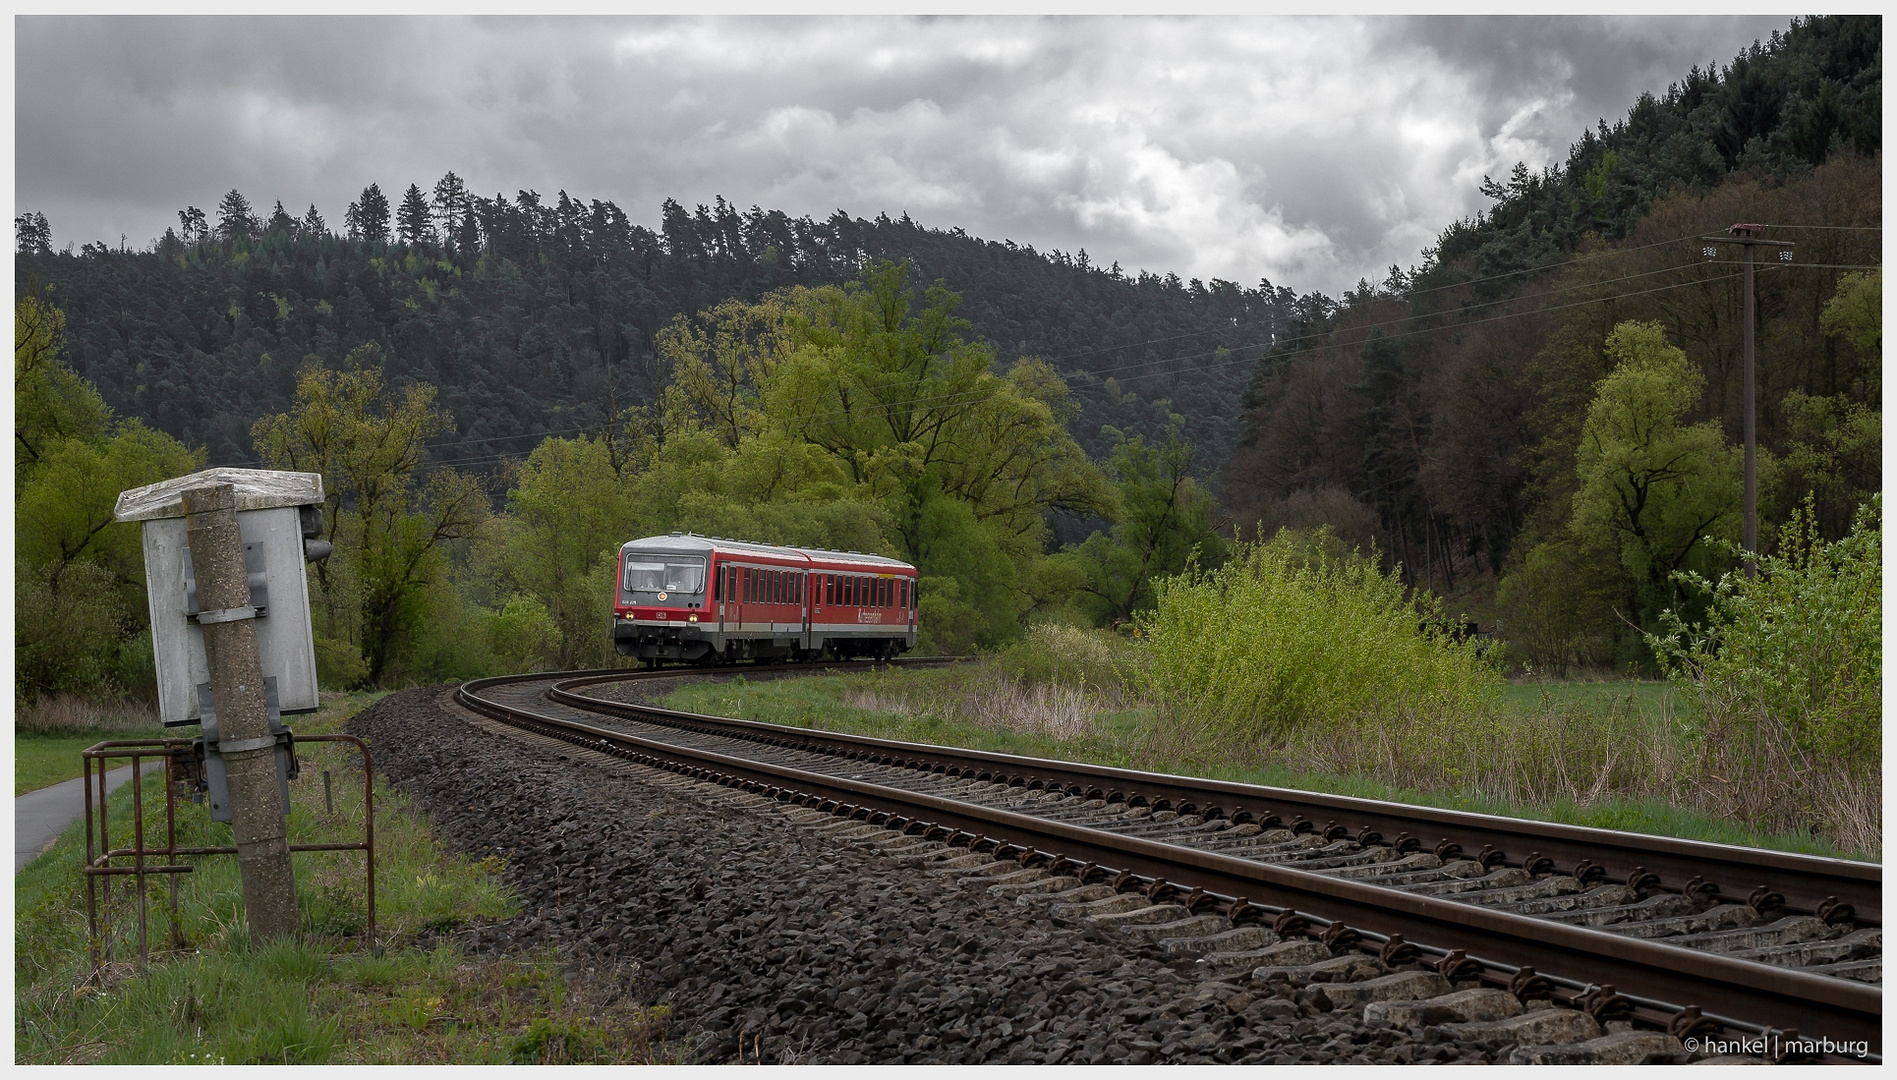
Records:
x=103, y=861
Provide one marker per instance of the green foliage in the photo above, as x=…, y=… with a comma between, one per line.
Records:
x=391, y=524
x=523, y=633
x=1282, y=638
x=1162, y=521
x=1558, y=606
x=549, y=1042
x=1834, y=455
x=50, y=402
x=66, y=637
x=1787, y=669
x=1651, y=485
x=852, y=418
x=1856, y=312
x=568, y=512
x=1070, y=656
x=79, y=604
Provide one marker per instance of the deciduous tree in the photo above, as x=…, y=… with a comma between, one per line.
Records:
x=1652, y=485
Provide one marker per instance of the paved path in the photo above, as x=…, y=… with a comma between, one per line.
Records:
x=40, y=816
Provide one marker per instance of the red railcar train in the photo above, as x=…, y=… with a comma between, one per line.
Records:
x=701, y=599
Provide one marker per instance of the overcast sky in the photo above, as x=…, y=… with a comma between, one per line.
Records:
x=1310, y=151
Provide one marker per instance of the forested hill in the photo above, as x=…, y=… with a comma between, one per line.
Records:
x=1439, y=415
x=532, y=315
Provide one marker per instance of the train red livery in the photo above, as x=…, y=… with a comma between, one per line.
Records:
x=701, y=599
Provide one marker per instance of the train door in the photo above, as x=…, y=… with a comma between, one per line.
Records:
x=807, y=600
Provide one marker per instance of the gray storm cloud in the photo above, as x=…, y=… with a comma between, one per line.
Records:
x=1310, y=151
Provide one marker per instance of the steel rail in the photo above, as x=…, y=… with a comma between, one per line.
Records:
x=1806, y=883
x=1739, y=995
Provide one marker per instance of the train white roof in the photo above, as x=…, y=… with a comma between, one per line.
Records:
x=694, y=543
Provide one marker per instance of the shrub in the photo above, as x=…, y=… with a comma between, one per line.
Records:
x=1787, y=669
x=522, y=634
x=1069, y=656
x=1291, y=633
x=69, y=633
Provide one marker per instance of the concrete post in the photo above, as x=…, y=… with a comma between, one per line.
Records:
x=243, y=717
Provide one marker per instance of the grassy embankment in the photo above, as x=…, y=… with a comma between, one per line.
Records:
x=1577, y=752
x=324, y=996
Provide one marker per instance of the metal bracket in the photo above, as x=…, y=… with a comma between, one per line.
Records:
x=259, y=587
x=230, y=614
x=209, y=751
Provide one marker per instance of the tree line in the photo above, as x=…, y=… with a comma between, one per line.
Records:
x=534, y=315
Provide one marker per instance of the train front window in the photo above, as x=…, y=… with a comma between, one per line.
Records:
x=682, y=574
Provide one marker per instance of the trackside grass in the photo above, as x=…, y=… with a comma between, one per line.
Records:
x=322, y=997
x=1577, y=747
x=44, y=758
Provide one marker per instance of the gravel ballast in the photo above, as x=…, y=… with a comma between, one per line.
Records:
x=778, y=933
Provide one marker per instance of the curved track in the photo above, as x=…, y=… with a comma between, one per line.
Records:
x=1697, y=937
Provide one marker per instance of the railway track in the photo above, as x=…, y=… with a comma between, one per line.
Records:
x=1776, y=953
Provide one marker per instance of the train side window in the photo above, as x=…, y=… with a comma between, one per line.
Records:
x=777, y=586
x=856, y=598
x=718, y=585
x=879, y=591
x=750, y=585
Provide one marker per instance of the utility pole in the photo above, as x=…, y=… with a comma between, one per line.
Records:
x=243, y=715
x=1746, y=236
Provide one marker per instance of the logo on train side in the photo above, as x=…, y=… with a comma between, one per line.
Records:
x=869, y=616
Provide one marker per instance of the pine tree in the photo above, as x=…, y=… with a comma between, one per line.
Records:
x=192, y=224
x=414, y=220
x=281, y=222
x=35, y=235
x=235, y=221
x=451, y=206
x=313, y=225
x=369, y=219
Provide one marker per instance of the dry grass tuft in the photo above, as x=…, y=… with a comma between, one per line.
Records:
x=54, y=714
x=996, y=701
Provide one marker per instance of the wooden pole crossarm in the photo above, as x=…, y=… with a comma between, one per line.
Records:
x=1747, y=240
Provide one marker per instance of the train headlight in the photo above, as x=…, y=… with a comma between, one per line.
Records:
x=691, y=618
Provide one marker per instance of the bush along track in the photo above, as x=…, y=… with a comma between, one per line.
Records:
x=782, y=934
